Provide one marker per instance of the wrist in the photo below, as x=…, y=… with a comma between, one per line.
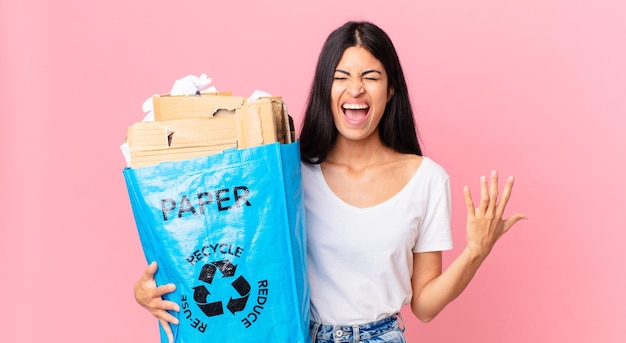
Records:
x=475, y=255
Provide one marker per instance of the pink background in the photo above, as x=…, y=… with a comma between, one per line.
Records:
x=533, y=88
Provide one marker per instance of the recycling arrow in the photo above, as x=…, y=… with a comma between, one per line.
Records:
x=208, y=270
x=207, y=275
x=242, y=287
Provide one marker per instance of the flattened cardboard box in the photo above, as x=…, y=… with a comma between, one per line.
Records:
x=168, y=107
x=200, y=125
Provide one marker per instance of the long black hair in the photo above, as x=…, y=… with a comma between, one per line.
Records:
x=397, y=126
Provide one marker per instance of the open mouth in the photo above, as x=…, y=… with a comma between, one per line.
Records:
x=355, y=113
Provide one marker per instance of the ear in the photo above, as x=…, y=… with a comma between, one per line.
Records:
x=389, y=93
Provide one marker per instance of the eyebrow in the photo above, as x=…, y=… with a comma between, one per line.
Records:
x=369, y=71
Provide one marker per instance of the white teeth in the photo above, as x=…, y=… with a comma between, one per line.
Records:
x=355, y=106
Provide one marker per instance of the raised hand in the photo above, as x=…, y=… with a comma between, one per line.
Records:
x=485, y=224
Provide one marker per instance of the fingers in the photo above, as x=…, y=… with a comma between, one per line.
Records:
x=484, y=195
x=168, y=330
x=489, y=202
x=488, y=195
x=469, y=203
x=512, y=220
x=506, y=195
x=165, y=318
x=485, y=224
x=162, y=290
x=159, y=308
x=148, y=273
x=493, y=191
x=147, y=282
x=150, y=296
x=163, y=313
x=160, y=311
x=169, y=306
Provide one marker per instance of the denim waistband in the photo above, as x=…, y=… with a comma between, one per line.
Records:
x=355, y=333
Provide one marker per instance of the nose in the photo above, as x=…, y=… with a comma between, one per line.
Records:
x=355, y=87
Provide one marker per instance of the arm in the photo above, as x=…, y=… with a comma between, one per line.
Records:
x=149, y=296
x=432, y=289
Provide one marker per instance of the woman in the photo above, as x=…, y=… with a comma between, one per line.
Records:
x=378, y=213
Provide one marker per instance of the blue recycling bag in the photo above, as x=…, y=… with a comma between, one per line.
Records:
x=229, y=231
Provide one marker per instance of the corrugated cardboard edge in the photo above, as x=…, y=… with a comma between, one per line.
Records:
x=172, y=107
x=255, y=123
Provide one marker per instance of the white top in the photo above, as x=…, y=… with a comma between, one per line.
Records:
x=361, y=259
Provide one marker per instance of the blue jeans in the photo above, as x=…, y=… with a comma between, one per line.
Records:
x=387, y=330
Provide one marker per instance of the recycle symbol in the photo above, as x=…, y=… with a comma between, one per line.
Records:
x=207, y=275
